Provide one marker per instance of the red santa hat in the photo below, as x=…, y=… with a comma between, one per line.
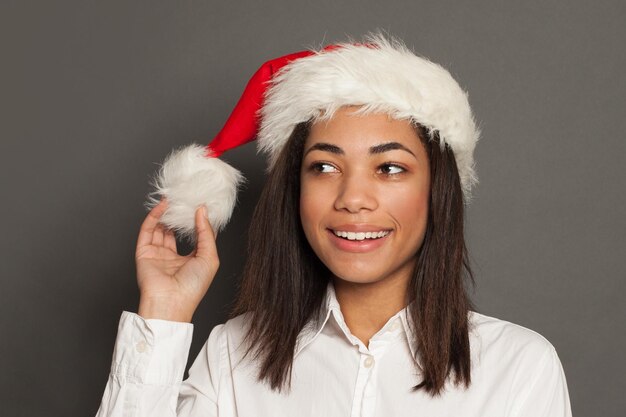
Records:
x=380, y=75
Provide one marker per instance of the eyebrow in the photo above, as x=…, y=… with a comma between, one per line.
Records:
x=376, y=149
x=326, y=147
x=389, y=146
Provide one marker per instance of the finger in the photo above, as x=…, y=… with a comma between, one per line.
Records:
x=206, y=247
x=157, y=235
x=170, y=240
x=150, y=223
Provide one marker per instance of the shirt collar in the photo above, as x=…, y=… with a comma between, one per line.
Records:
x=330, y=305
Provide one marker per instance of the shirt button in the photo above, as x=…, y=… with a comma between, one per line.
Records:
x=368, y=362
x=141, y=346
x=395, y=326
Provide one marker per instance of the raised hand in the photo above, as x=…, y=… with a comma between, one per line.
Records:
x=170, y=285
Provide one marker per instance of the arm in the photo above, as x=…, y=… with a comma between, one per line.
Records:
x=149, y=361
x=152, y=346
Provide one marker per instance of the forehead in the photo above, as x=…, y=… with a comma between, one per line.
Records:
x=355, y=131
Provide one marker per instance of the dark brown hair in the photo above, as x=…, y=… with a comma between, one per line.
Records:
x=284, y=283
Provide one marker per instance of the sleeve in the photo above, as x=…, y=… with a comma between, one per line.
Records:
x=547, y=394
x=149, y=360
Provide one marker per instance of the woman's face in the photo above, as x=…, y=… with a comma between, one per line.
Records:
x=365, y=186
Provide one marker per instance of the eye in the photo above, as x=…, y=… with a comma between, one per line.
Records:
x=391, y=169
x=323, y=167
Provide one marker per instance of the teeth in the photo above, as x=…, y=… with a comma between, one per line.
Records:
x=361, y=235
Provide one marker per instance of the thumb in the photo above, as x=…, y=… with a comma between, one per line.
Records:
x=205, y=247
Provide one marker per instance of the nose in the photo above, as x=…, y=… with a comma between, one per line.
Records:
x=356, y=193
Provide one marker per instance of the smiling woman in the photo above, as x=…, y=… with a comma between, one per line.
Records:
x=333, y=176
x=352, y=299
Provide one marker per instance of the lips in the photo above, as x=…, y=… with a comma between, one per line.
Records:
x=354, y=238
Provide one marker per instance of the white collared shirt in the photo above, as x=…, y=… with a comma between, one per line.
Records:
x=515, y=373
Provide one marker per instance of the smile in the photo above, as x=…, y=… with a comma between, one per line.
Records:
x=361, y=235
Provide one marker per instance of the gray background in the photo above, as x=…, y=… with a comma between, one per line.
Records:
x=95, y=94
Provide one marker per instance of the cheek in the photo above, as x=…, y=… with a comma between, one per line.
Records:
x=310, y=207
x=410, y=206
x=315, y=200
x=418, y=212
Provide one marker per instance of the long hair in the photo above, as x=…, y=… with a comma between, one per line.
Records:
x=284, y=283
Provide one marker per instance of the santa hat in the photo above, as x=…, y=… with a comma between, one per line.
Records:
x=380, y=75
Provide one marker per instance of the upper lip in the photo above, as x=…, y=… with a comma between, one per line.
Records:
x=356, y=228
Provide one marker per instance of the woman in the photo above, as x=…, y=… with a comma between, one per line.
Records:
x=352, y=300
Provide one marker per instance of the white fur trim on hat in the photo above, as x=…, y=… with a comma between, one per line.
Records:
x=189, y=179
x=383, y=77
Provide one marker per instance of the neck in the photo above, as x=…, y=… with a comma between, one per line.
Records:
x=366, y=307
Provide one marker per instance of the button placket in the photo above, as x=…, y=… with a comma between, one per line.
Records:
x=369, y=368
x=363, y=380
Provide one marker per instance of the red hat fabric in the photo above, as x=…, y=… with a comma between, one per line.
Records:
x=242, y=125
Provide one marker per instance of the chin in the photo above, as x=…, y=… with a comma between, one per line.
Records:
x=369, y=271
x=356, y=277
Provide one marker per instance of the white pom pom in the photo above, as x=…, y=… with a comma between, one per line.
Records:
x=189, y=179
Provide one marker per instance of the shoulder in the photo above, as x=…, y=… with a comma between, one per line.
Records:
x=493, y=337
x=497, y=331
x=221, y=347
x=229, y=336
x=521, y=362
x=237, y=326
x=234, y=328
